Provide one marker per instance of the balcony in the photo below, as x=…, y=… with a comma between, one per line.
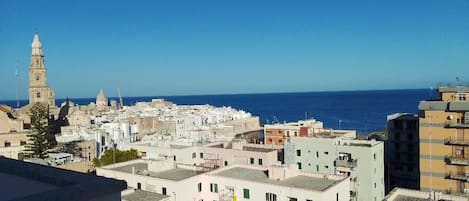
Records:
x=457, y=159
x=460, y=176
x=456, y=141
x=345, y=163
x=456, y=125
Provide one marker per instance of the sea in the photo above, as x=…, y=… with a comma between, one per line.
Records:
x=364, y=111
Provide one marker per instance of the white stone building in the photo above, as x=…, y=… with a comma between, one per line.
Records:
x=236, y=182
x=362, y=160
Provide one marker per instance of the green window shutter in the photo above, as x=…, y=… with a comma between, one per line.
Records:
x=260, y=161
x=246, y=193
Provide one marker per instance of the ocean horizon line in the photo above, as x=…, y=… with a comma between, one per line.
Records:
x=234, y=94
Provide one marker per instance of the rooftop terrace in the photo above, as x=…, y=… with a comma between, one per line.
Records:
x=176, y=174
x=139, y=195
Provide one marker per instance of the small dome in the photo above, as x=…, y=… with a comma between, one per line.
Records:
x=101, y=99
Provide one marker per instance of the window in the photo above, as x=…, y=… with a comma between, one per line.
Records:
x=193, y=155
x=214, y=188
x=326, y=166
x=374, y=156
x=7, y=144
x=22, y=142
x=317, y=168
x=260, y=161
x=163, y=190
x=174, y=158
x=337, y=196
x=199, y=187
x=462, y=97
x=270, y=197
x=298, y=152
x=38, y=95
x=292, y=199
x=246, y=193
x=251, y=161
x=317, y=154
x=375, y=184
x=139, y=186
x=226, y=163
x=201, y=155
x=299, y=166
x=326, y=152
x=308, y=200
x=37, y=77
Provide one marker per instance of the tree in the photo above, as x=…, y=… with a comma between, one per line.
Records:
x=115, y=156
x=38, y=145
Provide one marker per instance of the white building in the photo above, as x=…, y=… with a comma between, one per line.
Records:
x=211, y=155
x=362, y=160
x=236, y=182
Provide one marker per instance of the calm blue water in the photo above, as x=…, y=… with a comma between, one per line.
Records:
x=364, y=111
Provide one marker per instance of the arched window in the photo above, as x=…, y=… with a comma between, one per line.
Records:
x=38, y=95
x=38, y=77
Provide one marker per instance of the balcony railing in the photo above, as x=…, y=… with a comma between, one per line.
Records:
x=456, y=125
x=457, y=159
x=346, y=163
x=460, y=176
x=456, y=141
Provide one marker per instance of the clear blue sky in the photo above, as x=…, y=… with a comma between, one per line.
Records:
x=151, y=48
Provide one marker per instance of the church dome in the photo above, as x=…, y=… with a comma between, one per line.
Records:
x=101, y=99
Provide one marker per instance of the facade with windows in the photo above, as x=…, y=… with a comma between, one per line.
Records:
x=444, y=141
x=235, y=182
x=402, y=152
x=361, y=160
x=13, y=144
x=211, y=155
x=279, y=133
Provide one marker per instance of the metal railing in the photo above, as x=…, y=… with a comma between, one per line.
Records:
x=461, y=176
x=345, y=163
x=457, y=159
x=457, y=141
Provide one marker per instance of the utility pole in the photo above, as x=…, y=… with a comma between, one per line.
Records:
x=16, y=79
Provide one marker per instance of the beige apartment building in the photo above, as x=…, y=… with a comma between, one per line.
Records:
x=444, y=141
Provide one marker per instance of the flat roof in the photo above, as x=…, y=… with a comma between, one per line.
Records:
x=15, y=187
x=176, y=174
x=28, y=181
x=409, y=198
x=452, y=88
x=139, y=195
x=301, y=181
x=258, y=149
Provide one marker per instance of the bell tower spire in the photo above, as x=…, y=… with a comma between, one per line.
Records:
x=38, y=89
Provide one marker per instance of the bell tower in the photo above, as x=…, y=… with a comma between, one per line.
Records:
x=38, y=89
